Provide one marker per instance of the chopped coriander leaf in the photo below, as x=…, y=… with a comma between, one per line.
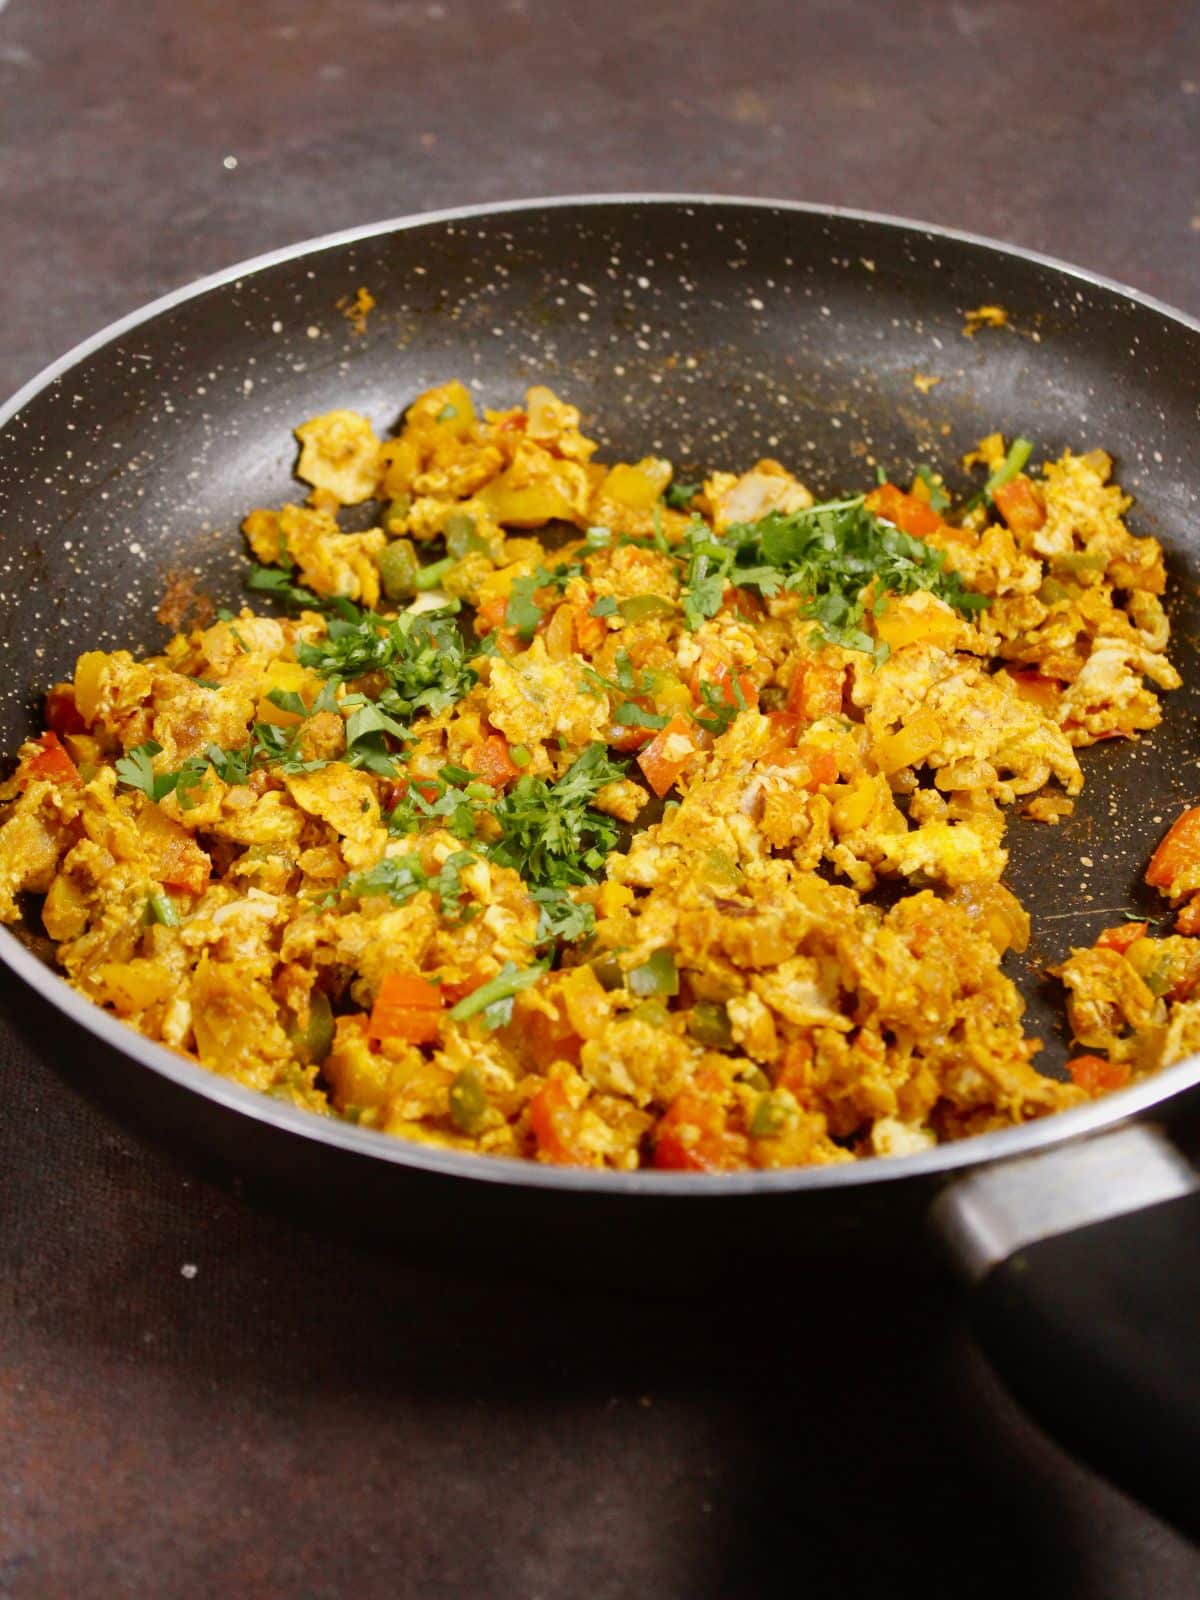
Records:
x=721, y=710
x=135, y=770
x=523, y=612
x=278, y=747
x=223, y=612
x=549, y=833
x=401, y=877
x=702, y=597
x=421, y=655
x=288, y=700
x=605, y=606
x=231, y=766
x=679, y=494
x=829, y=554
x=491, y=997
x=272, y=581
x=559, y=917
x=630, y=715
x=435, y=803
x=366, y=739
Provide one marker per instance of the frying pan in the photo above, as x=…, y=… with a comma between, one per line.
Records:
x=713, y=331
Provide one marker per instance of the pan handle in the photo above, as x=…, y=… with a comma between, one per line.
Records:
x=1085, y=1264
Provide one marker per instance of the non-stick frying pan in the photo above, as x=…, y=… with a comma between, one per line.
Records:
x=712, y=331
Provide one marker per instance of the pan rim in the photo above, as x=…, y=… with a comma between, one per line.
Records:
x=941, y=1161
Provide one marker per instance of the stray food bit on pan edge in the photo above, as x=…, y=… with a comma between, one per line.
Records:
x=548, y=822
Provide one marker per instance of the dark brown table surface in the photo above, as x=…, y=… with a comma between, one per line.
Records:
x=197, y=1398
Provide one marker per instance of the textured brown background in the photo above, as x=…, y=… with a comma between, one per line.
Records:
x=307, y=1417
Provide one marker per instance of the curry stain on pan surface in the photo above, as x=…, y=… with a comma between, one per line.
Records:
x=708, y=334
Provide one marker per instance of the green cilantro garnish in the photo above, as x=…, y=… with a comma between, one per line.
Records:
x=366, y=731
x=560, y=918
x=827, y=554
x=288, y=700
x=604, y=607
x=631, y=715
x=273, y=581
x=721, y=710
x=523, y=612
x=549, y=833
x=421, y=655
x=136, y=771
x=437, y=802
x=402, y=877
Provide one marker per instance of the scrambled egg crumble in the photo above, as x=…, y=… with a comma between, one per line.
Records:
x=548, y=822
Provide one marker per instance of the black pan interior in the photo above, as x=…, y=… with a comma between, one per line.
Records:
x=711, y=333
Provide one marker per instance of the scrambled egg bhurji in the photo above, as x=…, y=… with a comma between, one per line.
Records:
x=548, y=822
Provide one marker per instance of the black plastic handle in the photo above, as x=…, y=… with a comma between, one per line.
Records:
x=1097, y=1333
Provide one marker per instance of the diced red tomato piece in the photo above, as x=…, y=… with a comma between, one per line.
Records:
x=51, y=762
x=1019, y=505
x=816, y=690
x=665, y=757
x=692, y=1136
x=1122, y=936
x=1178, y=851
x=1096, y=1075
x=909, y=513
x=555, y=1123
x=492, y=761
x=407, y=1007
x=62, y=714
